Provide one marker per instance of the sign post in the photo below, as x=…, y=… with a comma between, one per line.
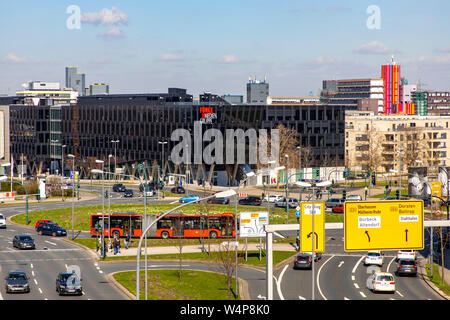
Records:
x=306, y=231
x=383, y=225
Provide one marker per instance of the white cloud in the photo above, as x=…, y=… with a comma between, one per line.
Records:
x=12, y=58
x=170, y=57
x=229, y=58
x=105, y=17
x=112, y=33
x=373, y=47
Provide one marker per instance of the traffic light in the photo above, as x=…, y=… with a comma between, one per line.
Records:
x=397, y=194
x=344, y=194
x=374, y=180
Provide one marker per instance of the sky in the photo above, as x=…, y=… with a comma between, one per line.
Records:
x=146, y=46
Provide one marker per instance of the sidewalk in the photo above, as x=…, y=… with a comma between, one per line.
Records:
x=84, y=196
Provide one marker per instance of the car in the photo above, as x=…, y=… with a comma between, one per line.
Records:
x=51, y=228
x=42, y=221
x=303, y=260
x=190, y=198
x=406, y=254
x=23, y=241
x=382, y=281
x=373, y=257
x=353, y=197
x=2, y=221
x=272, y=198
x=17, y=281
x=128, y=193
x=394, y=198
x=407, y=266
x=330, y=203
x=178, y=190
x=292, y=203
x=253, y=201
x=118, y=187
x=68, y=283
x=339, y=208
x=219, y=200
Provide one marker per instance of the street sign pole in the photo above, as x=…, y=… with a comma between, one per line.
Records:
x=312, y=236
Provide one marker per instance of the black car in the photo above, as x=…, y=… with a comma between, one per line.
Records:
x=178, y=190
x=150, y=187
x=219, y=200
x=68, y=283
x=23, y=241
x=17, y=281
x=51, y=228
x=118, y=187
x=128, y=193
x=253, y=201
x=407, y=266
x=303, y=260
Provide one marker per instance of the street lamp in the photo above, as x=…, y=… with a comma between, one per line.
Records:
x=73, y=191
x=223, y=194
x=115, y=153
x=313, y=186
x=103, y=204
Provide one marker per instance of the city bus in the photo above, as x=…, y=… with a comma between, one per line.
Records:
x=175, y=225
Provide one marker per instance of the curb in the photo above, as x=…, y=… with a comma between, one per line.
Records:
x=425, y=277
x=110, y=277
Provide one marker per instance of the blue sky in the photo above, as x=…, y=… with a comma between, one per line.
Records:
x=148, y=46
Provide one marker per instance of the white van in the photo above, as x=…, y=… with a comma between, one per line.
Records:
x=353, y=197
x=2, y=221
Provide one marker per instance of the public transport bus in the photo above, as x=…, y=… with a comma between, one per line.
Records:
x=175, y=225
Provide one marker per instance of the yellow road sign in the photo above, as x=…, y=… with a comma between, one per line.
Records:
x=383, y=225
x=436, y=189
x=306, y=227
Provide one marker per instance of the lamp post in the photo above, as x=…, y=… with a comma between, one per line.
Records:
x=249, y=175
x=223, y=194
x=287, y=187
x=313, y=186
x=103, y=205
x=115, y=154
x=73, y=192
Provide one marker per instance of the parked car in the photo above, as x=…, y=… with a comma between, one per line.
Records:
x=407, y=266
x=330, y=203
x=253, y=201
x=394, y=198
x=17, y=281
x=219, y=200
x=23, y=241
x=118, y=187
x=51, y=228
x=128, y=193
x=292, y=203
x=190, y=198
x=68, y=283
x=353, y=197
x=339, y=208
x=272, y=198
x=381, y=281
x=178, y=190
x=373, y=257
x=2, y=221
x=406, y=254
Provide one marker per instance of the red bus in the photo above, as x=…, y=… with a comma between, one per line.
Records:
x=173, y=225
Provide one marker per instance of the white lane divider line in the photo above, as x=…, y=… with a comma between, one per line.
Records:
x=31, y=265
x=353, y=278
x=32, y=273
x=400, y=294
x=340, y=264
x=279, y=282
x=52, y=243
x=40, y=290
x=356, y=285
x=318, y=277
x=356, y=265
x=301, y=298
x=345, y=298
x=362, y=294
x=35, y=281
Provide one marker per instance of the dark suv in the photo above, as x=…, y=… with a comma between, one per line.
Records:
x=407, y=266
x=51, y=228
x=118, y=187
x=253, y=201
x=23, y=241
x=68, y=283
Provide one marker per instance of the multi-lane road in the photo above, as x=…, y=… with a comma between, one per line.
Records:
x=339, y=275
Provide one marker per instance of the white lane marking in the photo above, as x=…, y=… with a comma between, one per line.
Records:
x=100, y=271
x=301, y=298
x=279, y=282
x=279, y=235
x=176, y=201
x=389, y=265
x=32, y=273
x=31, y=265
x=353, y=278
x=318, y=276
x=40, y=290
x=51, y=243
x=38, y=250
x=362, y=294
x=356, y=265
x=345, y=298
x=35, y=281
x=400, y=294
x=340, y=264
x=356, y=285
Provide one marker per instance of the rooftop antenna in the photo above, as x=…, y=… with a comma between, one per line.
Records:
x=393, y=61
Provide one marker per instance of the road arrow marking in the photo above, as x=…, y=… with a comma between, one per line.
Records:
x=261, y=297
x=340, y=264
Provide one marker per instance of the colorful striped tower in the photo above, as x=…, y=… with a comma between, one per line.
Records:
x=391, y=78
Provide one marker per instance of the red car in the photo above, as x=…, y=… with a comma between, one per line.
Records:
x=338, y=208
x=41, y=221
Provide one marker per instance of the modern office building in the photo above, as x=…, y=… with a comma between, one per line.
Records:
x=233, y=98
x=384, y=142
x=257, y=91
x=293, y=100
x=75, y=80
x=391, y=75
x=98, y=88
x=350, y=92
x=37, y=90
x=438, y=102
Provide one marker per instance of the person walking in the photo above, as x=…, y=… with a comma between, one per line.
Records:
x=116, y=245
x=127, y=240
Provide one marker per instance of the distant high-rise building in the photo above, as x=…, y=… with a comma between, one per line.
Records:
x=75, y=80
x=98, y=88
x=391, y=87
x=257, y=91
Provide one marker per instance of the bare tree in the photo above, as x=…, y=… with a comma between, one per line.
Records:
x=372, y=150
x=179, y=240
x=225, y=256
